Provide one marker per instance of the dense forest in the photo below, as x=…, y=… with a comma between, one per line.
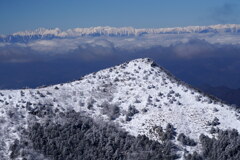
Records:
x=73, y=135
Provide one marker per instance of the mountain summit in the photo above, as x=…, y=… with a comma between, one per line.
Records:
x=138, y=97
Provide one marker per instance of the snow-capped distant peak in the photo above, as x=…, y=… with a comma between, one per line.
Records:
x=56, y=33
x=39, y=31
x=130, y=30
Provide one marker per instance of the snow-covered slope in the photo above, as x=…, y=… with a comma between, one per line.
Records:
x=159, y=98
x=42, y=33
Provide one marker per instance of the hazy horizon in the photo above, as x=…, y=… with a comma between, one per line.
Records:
x=18, y=15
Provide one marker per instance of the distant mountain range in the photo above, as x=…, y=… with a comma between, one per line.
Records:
x=42, y=33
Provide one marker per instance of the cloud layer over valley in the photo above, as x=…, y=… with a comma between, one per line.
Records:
x=190, y=56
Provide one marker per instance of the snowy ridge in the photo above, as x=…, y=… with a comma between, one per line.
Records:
x=129, y=30
x=159, y=98
x=42, y=33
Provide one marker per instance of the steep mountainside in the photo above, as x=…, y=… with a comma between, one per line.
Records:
x=136, y=96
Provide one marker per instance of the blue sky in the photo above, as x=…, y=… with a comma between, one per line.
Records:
x=18, y=15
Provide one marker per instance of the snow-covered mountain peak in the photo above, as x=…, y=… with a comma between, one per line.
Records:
x=39, y=31
x=43, y=33
x=136, y=95
x=107, y=30
x=140, y=62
